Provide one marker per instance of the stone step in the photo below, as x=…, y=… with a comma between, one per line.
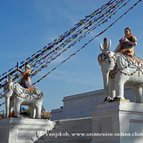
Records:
x=69, y=131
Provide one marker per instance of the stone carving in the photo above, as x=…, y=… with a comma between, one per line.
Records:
x=16, y=95
x=119, y=70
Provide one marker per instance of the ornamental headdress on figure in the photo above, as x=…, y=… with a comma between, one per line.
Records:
x=27, y=66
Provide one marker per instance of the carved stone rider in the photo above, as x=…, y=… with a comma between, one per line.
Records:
x=127, y=43
x=25, y=77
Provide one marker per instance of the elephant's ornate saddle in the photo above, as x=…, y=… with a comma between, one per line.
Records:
x=135, y=64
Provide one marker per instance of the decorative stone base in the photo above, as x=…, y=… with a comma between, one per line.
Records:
x=23, y=130
x=118, y=122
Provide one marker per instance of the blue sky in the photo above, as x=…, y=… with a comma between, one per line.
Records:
x=28, y=25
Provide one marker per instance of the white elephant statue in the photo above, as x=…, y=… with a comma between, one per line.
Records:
x=118, y=71
x=16, y=95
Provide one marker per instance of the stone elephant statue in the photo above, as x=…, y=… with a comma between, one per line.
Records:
x=16, y=95
x=118, y=71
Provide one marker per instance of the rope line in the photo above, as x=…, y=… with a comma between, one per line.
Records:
x=51, y=58
x=42, y=58
x=57, y=40
x=111, y=3
x=88, y=42
x=42, y=65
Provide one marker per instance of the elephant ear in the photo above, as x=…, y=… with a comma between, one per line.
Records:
x=105, y=46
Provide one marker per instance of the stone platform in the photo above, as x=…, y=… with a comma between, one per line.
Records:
x=118, y=122
x=23, y=130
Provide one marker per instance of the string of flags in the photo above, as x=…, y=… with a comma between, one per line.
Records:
x=57, y=40
x=40, y=60
x=49, y=57
x=96, y=15
x=36, y=59
x=76, y=52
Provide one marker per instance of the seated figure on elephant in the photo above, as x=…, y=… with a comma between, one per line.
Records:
x=25, y=76
x=127, y=43
x=25, y=80
x=119, y=70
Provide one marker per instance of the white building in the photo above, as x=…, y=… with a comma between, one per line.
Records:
x=83, y=105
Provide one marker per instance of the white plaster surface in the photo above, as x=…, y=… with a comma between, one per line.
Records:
x=65, y=131
x=123, y=119
x=83, y=105
x=83, y=113
x=23, y=130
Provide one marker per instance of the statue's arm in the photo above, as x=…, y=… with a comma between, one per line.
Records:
x=20, y=70
x=133, y=42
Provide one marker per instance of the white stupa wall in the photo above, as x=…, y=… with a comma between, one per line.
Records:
x=83, y=105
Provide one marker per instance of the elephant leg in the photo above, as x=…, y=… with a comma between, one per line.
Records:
x=119, y=87
x=17, y=109
x=105, y=80
x=141, y=93
x=138, y=94
x=11, y=106
x=111, y=88
x=7, y=106
x=32, y=111
x=38, y=111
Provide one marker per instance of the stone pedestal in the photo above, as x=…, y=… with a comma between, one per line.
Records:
x=118, y=122
x=23, y=130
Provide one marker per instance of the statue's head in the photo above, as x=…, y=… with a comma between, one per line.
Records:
x=105, y=46
x=27, y=67
x=107, y=57
x=127, y=31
